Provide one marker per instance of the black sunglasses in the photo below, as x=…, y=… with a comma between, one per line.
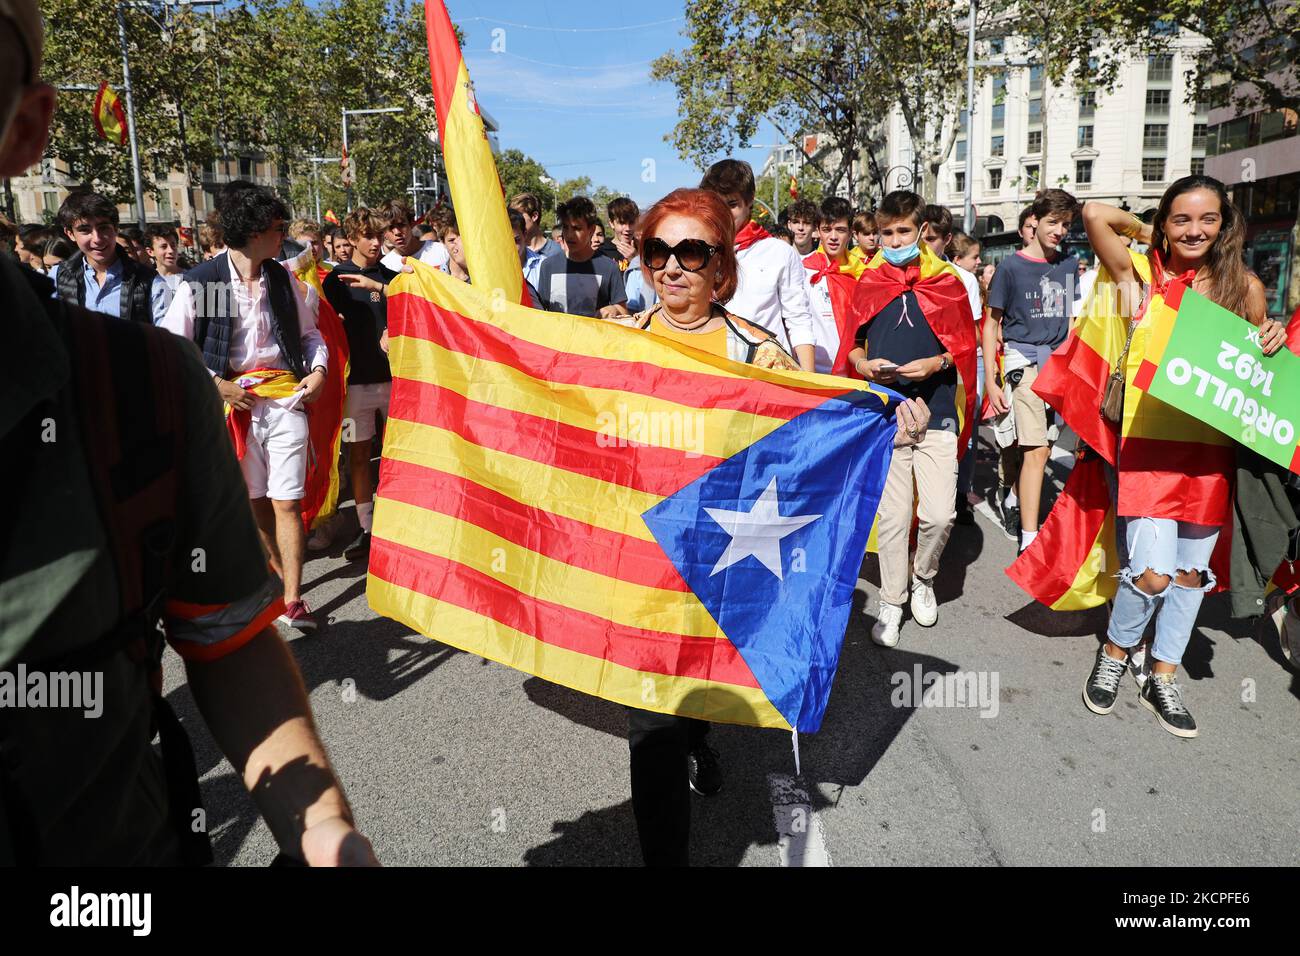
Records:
x=692, y=254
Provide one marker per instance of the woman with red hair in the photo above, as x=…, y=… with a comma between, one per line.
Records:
x=688, y=256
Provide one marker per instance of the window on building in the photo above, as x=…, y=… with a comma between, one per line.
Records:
x=997, y=46
x=1087, y=103
x=1000, y=88
x=1160, y=68
x=1157, y=102
x=1031, y=176
x=1199, y=136
x=998, y=115
x=1278, y=124
x=1034, y=144
x=1035, y=77
x=995, y=180
x=51, y=202
x=1036, y=110
x=959, y=182
x=1198, y=166
x=1155, y=136
x=245, y=167
x=164, y=205
x=961, y=150
x=1083, y=172
x=963, y=120
x=995, y=145
x=1085, y=136
x=1153, y=169
x=1164, y=27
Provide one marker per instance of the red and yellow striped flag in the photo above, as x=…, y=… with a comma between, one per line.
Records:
x=1073, y=562
x=488, y=241
x=110, y=118
x=542, y=503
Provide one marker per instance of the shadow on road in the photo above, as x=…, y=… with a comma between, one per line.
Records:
x=381, y=656
x=860, y=723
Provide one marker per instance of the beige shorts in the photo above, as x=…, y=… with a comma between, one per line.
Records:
x=1030, y=412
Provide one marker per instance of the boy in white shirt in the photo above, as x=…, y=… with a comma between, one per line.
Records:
x=773, y=291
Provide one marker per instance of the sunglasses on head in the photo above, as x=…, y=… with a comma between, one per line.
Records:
x=691, y=254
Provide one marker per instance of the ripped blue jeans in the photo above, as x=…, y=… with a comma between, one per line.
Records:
x=1166, y=547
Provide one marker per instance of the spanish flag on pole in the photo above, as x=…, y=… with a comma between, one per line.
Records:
x=110, y=118
x=490, y=252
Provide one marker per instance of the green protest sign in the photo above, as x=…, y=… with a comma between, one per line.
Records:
x=1208, y=363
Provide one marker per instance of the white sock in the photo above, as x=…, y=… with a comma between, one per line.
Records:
x=1027, y=537
x=365, y=514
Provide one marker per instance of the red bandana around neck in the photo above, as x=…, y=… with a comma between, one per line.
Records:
x=750, y=234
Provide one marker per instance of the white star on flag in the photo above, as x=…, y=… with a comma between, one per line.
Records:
x=758, y=531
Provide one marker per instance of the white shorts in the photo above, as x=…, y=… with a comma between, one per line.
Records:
x=275, y=461
x=359, y=408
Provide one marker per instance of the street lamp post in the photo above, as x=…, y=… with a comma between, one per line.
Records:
x=315, y=176
x=130, y=114
x=968, y=219
x=346, y=114
x=130, y=105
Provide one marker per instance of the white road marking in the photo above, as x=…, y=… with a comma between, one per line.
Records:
x=801, y=838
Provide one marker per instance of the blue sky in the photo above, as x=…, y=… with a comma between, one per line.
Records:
x=570, y=85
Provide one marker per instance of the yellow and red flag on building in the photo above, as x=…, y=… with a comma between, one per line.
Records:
x=488, y=241
x=110, y=117
x=618, y=513
x=794, y=187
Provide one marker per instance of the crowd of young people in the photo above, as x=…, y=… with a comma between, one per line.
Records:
x=894, y=295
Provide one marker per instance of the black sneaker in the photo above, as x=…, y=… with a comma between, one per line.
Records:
x=704, y=771
x=1162, y=696
x=964, y=513
x=359, y=549
x=1011, y=520
x=1103, y=683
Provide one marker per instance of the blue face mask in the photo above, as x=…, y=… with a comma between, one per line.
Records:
x=901, y=255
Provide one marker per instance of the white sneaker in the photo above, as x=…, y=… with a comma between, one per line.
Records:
x=885, y=631
x=925, y=609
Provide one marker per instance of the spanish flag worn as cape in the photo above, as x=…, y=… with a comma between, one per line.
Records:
x=1173, y=466
x=841, y=280
x=325, y=415
x=946, y=307
x=489, y=244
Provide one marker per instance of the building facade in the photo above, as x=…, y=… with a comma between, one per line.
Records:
x=1257, y=155
x=1123, y=146
x=39, y=193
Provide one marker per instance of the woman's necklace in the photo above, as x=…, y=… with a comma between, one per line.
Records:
x=668, y=321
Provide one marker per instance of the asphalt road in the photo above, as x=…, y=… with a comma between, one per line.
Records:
x=451, y=760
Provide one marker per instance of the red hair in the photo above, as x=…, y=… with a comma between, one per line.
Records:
x=708, y=209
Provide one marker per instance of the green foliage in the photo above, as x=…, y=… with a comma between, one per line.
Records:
x=266, y=77
x=1253, y=48
x=832, y=67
